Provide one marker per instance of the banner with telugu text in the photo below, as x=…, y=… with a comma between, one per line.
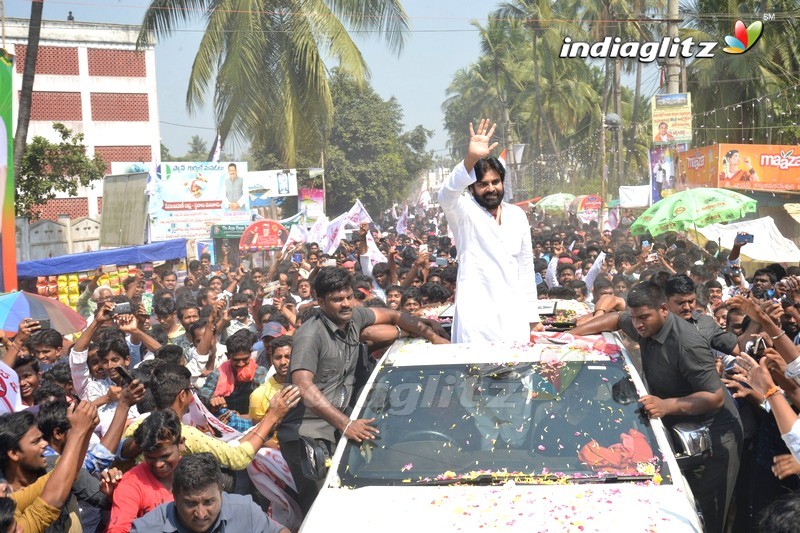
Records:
x=188, y=198
x=8, y=250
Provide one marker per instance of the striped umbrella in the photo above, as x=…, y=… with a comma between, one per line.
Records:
x=17, y=306
x=558, y=202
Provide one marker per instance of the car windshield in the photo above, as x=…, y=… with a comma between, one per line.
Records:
x=531, y=422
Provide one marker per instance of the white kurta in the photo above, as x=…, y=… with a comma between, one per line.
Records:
x=496, y=290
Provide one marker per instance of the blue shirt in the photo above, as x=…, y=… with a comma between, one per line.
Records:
x=238, y=513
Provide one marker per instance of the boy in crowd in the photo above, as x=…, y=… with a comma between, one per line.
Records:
x=281, y=348
x=46, y=346
x=39, y=498
x=27, y=369
x=149, y=484
x=231, y=385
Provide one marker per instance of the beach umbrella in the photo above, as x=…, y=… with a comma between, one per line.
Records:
x=555, y=202
x=16, y=306
x=693, y=208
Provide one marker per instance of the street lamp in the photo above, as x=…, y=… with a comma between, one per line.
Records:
x=613, y=122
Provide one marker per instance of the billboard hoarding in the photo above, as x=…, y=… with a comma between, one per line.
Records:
x=672, y=118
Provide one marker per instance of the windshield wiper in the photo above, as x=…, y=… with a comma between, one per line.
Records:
x=612, y=478
x=497, y=478
x=527, y=479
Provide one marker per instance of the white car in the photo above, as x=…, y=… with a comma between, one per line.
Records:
x=545, y=437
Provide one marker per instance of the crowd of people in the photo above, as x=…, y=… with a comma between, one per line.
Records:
x=127, y=425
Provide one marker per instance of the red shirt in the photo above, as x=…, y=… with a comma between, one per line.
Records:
x=138, y=493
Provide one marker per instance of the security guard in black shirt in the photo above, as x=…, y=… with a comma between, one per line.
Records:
x=684, y=386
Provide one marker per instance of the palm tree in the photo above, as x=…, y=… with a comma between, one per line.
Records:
x=266, y=60
x=26, y=91
x=538, y=17
x=725, y=80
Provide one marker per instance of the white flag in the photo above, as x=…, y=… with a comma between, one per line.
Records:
x=10, y=399
x=402, y=222
x=373, y=252
x=297, y=234
x=358, y=215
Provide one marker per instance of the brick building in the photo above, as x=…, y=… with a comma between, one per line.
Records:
x=92, y=78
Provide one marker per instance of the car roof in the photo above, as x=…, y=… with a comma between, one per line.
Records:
x=419, y=353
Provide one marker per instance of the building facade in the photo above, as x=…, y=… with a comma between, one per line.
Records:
x=92, y=78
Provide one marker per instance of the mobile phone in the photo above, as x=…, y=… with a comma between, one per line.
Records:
x=297, y=257
x=423, y=248
x=215, y=268
x=441, y=261
x=329, y=263
x=109, y=268
x=273, y=286
x=645, y=244
x=148, y=274
x=652, y=258
x=127, y=379
x=44, y=323
x=744, y=238
x=147, y=302
x=122, y=308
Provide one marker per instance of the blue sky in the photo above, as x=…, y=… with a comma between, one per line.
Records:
x=442, y=41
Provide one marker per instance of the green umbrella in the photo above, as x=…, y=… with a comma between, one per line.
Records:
x=555, y=202
x=692, y=208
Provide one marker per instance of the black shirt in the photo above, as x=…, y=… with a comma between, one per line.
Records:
x=717, y=338
x=331, y=354
x=677, y=362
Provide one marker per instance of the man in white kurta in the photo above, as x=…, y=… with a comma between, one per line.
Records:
x=496, y=289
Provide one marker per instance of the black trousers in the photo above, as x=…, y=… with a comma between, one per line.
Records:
x=712, y=483
x=307, y=489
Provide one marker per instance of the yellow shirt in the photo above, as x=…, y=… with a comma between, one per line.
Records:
x=259, y=398
x=33, y=513
x=235, y=457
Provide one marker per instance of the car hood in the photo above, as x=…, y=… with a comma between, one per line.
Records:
x=557, y=508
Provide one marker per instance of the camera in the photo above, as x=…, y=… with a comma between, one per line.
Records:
x=122, y=308
x=238, y=313
x=757, y=348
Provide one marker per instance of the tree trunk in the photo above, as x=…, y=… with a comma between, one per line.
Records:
x=26, y=92
x=635, y=118
x=538, y=89
x=618, y=133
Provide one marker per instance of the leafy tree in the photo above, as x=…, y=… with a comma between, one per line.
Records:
x=49, y=168
x=165, y=155
x=368, y=156
x=266, y=61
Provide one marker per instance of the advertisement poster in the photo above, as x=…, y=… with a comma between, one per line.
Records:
x=266, y=184
x=186, y=199
x=759, y=167
x=8, y=244
x=698, y=168
x=311, y=202
x=587, y=208
x=672, y=118
x=205, y=246
x=662, y=172
x=263, y=235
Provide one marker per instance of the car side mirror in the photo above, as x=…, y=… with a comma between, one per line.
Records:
x=692, y=444
x=624, y=392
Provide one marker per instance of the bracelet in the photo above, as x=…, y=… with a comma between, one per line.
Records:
x=778, y=335
x=347, y=427
x=772, y=392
